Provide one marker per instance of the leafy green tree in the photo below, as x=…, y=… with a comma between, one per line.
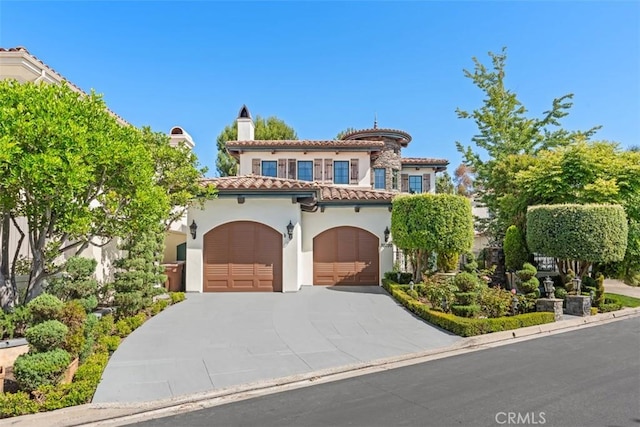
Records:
x=578, y=235
x=427, y=223
x=444, y=184
x=78, y=176
x=271, y=128
x=504, y=129
x=597, y=172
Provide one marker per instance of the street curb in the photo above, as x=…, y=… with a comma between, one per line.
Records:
x=99, y=414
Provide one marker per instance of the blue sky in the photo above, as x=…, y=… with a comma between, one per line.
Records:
x=325, y=66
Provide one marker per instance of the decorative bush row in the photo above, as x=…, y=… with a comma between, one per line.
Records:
x=464, y=327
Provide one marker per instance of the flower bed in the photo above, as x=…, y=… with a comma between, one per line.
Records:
x=463, y=326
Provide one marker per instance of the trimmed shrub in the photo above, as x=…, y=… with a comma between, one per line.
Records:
x=110, y=342
x=413, y=293
x=447, y=261
x=466, y=298
x=105, y=326
x=177, y=297
x=33, y=370
x=76, y=282
x=437, y=291
x=560, y=293
x=465, y=310
x=464, y=326
x=128, y=303
x=46, y=336
x=494, y=302
x=122, y=328
x=466, y=282
x=592, y=233
x=515, y=249
x=405, y=278
x=136, y=321
x=158, y=306
x=45, y=307
x=609, y=306
x=13, y=324
x=15, y=404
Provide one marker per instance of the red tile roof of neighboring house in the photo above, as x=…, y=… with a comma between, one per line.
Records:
x=423, y=161
x=326, y=192
x=304, y=144
x=56, y=74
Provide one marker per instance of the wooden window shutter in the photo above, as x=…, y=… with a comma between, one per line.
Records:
x=317, y=169
x=355, y=178
x=282, y=168
x=426, y=183
x=292, y=169
x=404, y=183
x=255, y=166
x=328, y=170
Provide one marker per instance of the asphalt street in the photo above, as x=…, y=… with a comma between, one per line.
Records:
x=588, y=377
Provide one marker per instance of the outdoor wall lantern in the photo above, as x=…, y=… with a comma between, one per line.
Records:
x=576, y=284
x=548, y=287
x=193, y=228
x=290, y=230
x=386, y=234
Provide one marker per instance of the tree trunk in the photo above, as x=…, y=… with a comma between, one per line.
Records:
x=7, y=296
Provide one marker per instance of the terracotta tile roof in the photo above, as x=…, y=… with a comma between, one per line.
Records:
x=256, y=182
x=304, y=144
x=394, y=133
x=56, y=74
x=335, y=193
x=423, y=161
x=326, y=192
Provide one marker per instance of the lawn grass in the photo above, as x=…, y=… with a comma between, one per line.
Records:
x=623, y=300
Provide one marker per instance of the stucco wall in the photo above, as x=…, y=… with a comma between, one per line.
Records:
x=372, y=219
x=274, y=212
x=171, y=241
x=364, y=161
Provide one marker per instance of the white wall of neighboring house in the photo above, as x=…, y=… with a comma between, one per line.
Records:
x=271, y=211
x=371, y=218
x=364, y=161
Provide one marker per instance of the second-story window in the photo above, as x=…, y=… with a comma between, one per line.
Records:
x=394, y=179
x=341, y=172
x=415, y=184
x=379, y=178
x=270, y=168
x=305, y=170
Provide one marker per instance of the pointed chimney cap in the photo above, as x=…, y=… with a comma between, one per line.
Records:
x=244, y=113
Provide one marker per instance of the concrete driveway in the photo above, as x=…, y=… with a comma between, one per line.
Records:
x=212, y=341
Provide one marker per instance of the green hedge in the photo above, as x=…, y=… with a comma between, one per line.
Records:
x=593, y=233
x=463, y=326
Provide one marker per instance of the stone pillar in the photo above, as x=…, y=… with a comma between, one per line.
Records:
x=578, y=305
x=552, y=305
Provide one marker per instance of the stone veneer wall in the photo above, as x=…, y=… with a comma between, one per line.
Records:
x=389, y=160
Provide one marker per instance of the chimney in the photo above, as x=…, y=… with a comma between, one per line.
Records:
x=246, y=128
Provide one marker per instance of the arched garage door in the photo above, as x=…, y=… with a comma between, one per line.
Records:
x=242, y=256
x=345, y=256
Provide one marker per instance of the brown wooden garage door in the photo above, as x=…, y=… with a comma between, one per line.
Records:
x=345, y=256
x=242, y=256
